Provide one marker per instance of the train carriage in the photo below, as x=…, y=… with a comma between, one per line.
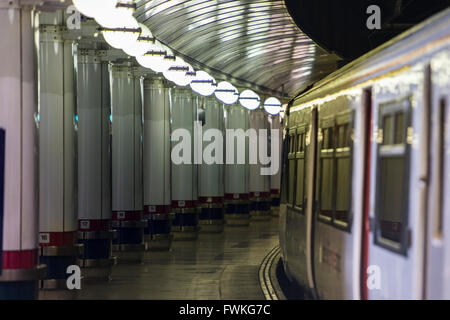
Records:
x=365, y=192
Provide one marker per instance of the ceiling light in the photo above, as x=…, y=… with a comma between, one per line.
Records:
x=249, y=99
x=143, y=43
x=226, y=92
x=203, y=83
x=91, y=9
x=272, y=106
x=179, y=72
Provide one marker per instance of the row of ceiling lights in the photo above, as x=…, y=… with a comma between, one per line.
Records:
x=121, y=30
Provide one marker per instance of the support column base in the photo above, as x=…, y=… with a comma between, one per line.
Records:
x=21, y=284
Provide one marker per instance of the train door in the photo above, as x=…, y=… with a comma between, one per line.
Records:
x=396, y=236
x=437, y=275
x=333, y=236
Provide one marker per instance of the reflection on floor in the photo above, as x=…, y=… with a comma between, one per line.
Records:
x=216, y=266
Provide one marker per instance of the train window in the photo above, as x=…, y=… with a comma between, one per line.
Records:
x=300, y=142
x=301, y=170
x=388, y=124
x=335, y=168
x=399, y=128
x=291, y=143
x=326, y=171
x=392, y=176
x=291, y=166
x=343, y=171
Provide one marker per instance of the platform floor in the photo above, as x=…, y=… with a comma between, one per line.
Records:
x=216, y=266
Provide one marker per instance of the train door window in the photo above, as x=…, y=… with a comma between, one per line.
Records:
x=301, y=173
x=393, y=175
x=291, y=166
x=343, y=162
x=326, y=170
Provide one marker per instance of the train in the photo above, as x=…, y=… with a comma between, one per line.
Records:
x=365, y=192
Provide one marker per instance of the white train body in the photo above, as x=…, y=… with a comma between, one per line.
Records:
x=366, y=175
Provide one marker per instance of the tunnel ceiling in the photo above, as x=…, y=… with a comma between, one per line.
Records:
x=254, y=43
x=340, y=26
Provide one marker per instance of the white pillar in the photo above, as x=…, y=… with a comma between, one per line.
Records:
x=18, y=108
x=57, y=215
x=94, y=164
x=127, y=201
x=184, y=176
x=157, y=200
x=259, y=185
x=237, y=209
x=210, y=176
x=275, y=180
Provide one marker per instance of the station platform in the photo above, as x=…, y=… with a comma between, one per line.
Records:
x=214, y=267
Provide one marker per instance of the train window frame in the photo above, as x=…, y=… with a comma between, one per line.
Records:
x=346, y=117
x=302, y=130
x=292, y=143
x=325, y=123
x=394, y=150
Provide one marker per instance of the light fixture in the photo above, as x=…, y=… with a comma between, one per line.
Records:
x=91, y=9
x=119, y=27
x=226, y=92
x=158, y=58
x=203, y=83
x=272, y=106
x=179, y=72
x=249, y=99
x=143, y=43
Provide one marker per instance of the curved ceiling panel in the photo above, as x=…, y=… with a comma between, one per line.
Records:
x=251, y=42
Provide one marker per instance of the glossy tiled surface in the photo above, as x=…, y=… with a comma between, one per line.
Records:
x=216, y=266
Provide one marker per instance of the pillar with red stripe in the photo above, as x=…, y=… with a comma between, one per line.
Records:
x=94, y=164
x=259, y=185
x=184, y=171
x=210, y=172
x=237, y=205
x=127, y=201
x=157, y=202
x=19, y=270
x=275, y=180
x=57, y=215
